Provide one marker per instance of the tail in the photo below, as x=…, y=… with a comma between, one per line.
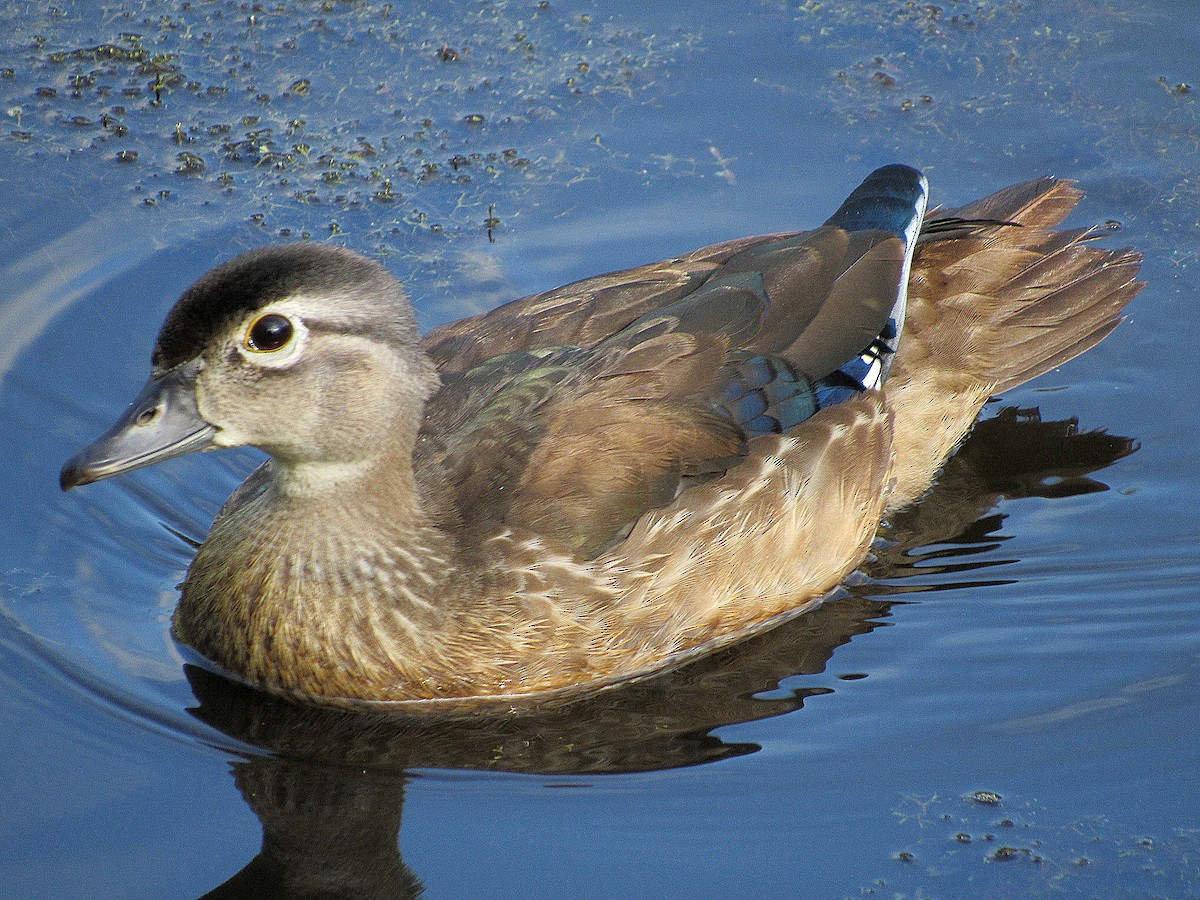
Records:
x=993, y=308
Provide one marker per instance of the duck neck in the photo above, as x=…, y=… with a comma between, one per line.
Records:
x=339, y=509
x=378, y=464
x=324, y=579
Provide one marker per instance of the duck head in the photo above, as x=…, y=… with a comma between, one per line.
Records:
x=306, y=351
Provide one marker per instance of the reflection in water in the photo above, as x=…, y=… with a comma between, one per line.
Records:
x=329, y=785
x=1012, y=456
x=328, y=831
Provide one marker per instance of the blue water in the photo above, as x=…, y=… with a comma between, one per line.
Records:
x=1033, y=632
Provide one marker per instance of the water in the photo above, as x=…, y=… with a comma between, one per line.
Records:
x=1033, y=632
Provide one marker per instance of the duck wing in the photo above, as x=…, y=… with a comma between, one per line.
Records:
x=572, y=412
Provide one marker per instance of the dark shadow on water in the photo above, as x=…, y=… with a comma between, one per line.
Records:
x=328, y=786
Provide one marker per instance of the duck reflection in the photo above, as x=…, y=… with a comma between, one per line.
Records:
x=328, y=785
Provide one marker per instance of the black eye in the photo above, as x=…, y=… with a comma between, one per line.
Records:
x=269, y=332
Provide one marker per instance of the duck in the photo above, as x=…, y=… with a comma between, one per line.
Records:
x=600, y=482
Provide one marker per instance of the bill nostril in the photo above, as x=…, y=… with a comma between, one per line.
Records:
x=147, y=416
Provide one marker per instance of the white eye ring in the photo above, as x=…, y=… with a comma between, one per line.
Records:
x=269, y=333
x=273, y=339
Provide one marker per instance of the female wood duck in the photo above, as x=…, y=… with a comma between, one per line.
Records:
x=601, y=481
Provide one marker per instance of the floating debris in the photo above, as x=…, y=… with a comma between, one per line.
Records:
x=450, y=106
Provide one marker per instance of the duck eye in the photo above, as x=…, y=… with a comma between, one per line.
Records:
x=270, y=332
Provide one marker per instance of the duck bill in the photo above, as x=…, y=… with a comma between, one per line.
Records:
x=163, y=422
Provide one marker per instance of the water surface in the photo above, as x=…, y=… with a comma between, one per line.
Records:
x=1031, y=631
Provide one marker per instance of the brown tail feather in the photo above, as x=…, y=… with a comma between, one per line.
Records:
x=1068, y=320
x=992, y=310
x=1041, y=203
x=1065, y=355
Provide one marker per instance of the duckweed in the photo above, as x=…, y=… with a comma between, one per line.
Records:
x=378, y=90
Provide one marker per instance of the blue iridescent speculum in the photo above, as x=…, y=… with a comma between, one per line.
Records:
x=766, y=395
